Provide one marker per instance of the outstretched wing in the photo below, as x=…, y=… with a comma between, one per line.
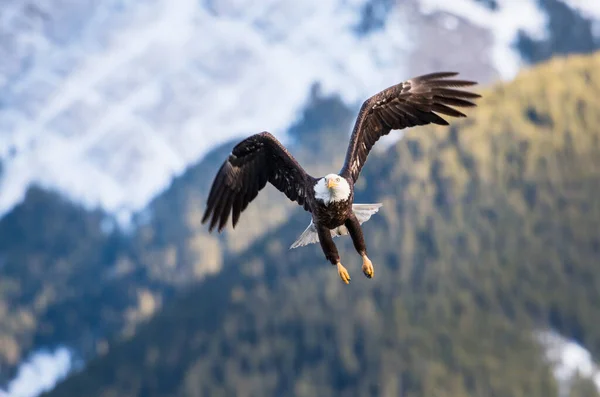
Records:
x=258, y=159
x=407, y=104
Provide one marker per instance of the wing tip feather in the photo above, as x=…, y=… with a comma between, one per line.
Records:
x=435, y=75
x=204, y=218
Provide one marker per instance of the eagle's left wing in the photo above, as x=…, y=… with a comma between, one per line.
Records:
x=253, y=162
x=407, y=104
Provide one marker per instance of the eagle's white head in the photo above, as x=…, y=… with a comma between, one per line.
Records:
x=332, y=188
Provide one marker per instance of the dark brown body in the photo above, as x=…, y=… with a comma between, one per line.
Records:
x=328, y=217
x=332, y=215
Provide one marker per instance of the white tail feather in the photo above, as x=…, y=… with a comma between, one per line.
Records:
x=310, y=236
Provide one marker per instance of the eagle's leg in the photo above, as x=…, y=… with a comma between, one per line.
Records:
x=358, y=240
x=331, y=252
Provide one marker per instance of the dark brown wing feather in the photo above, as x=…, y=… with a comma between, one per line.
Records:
x=410, y=103
x=258, y=159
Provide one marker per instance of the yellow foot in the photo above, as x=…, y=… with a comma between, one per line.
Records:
x=367, y=267
x=343, y=272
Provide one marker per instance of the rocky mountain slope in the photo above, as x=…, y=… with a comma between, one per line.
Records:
x=488, y=232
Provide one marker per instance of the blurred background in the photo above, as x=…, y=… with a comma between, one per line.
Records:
x=116, y=114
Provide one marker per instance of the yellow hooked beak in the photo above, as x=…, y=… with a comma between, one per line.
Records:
x=331, y=183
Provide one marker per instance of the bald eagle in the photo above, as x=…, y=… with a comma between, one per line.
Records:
x=261, y=158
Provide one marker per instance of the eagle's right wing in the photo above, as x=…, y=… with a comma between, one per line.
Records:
x=410, y=103
x=253, y=162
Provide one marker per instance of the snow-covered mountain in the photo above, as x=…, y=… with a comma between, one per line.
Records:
x=107, y=101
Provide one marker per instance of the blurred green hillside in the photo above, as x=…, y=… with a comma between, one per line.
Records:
x=489, y=231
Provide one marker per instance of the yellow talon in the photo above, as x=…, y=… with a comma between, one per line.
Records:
x=343, y=272
x=367, y=267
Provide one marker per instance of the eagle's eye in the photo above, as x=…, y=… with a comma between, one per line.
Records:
x=337, y=179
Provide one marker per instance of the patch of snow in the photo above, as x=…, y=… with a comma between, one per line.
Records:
x=588, y=9
x=40, y=373
x=505, y=22
x=568, y=358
